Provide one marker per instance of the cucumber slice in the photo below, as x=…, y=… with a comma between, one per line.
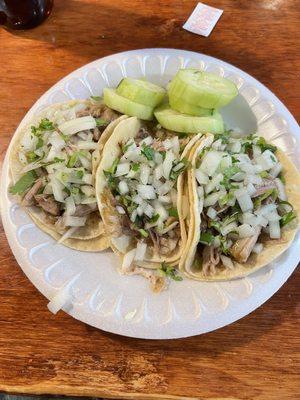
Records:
x=141, y=92
x=202, y=89
x=125, y=106
x=186, y=108
x=175, y=121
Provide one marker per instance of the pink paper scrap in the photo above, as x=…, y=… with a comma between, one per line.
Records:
x=203, y=19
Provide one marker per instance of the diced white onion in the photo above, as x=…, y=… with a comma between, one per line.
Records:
x=251, y=189
x=247, y=168
x=128, y=260
x=228, y=228
x=137, y=199
x=213, y=183
x=179, y=166
x=256, y=151
x=160, y=209
x=267, y=160
x=75, y=221
x=140, y=251
x=88, y=190
x=254, y=179
x=281, y=190
x=211, y=213
x=266, y=209
x=146, y=192
x=88, y=179
x=122, y=169
x=164, y=199
x=158, y=158
x=121, y=242
x=238, y=177
x=70, y=206
x=236, y=146
x=273, y=216
x=200, y=192
x=258, y=248
x=201, y=177
x=85, y=162
x=211, y=162
x=78, y=124
x=275, y=171
x=169, y=228
x=84, y=145
x=245, y=230
x=244, y=199
x=133, y=215
x=58, y=190
x=147, y=141
x=140, y=211
x=274, y=229
x=158, y=172
x=123, y=187
x=165, y=188
x=120, y=210
x=227, y=262
x=144, y=174
x=149, y=211
x=167, y=164
x=212, y=198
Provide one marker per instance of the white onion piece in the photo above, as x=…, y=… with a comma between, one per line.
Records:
x=281, y=190
x=274, y=230
x=169, y=228
x=128, y=260
x=158, y=172
x=147, y=141
x=238, y=177
x=247, y=168
x=140, y=211
x=121, y=242
x=70, y=206
x=149, y=211
x=84, y=145
x=75, y=221
x=201, y=177
x=245, y=230
x=258, y=248
x=133, y=215
x=88, y=190
x=62, y=299
x=243, y=199
x=242, y=158
x=228, y=228
x=144, y=174
x=160, y=209
x=123, y=187
x=227, y=262
x=178, y=166
x=211, y=162
x=140, y=251
x=266, y=209
x=273, y=216
x=251, y=189
x=267, y=160
x=217, y=145
x=120, y=210
x=167, y=144
x=122, y=169
x=88, y=179
x=213, y=183
x=164, y=188
x=200, y=192
x=158, y=158
x=78, y=124
x=256, y=151
x=175, y=145
x=164, y=199
x=167, y=164
x=58, y=190
x=236, y=146
x=254, y=179
x=211, y=199
x=226, y=162
x=137, y=199
x=146, y=192
x=211, y=213
x=275, y=171
x=85, y=162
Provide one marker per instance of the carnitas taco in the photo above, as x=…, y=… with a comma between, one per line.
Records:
x=140, y=187
x=245, y=204
x=53, y=160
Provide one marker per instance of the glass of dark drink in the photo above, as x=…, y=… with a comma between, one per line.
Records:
x=24, y=14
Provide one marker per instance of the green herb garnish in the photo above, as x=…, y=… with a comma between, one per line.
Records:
x=225, y=199
x=169, y=271
x=144, y=233
x=72, y=160
x=173, y=212
x=206, y=238
x=148, y=152
x=24, y=183
x=135, y=167
x=101, y=122
x=287, y=218
x=154, y=218
x=96, y=98
x=79, y=174
x=264, y=196
x=263, y=145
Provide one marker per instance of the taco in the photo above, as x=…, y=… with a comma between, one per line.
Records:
x=245, y=205
x=140, y=193
x=53, y=160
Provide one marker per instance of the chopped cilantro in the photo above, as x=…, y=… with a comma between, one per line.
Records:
x=228, y=173
x=263, y=145
x=264, y=174
x=287, y=218
x=224, y=137
x=79, y=174
x=148, y=152
x=173, y=212
x=111, y=180
x=169, y=271
x=72, y=160
x=215, y=224
x=174, y=174
x=31, y=156
x=224, y=247
x=114, y=165
x=163, y=153
x=24, y=183
x=264, y=196
x=46, y=125
x=234, y=160
x=144, y=233
x=281, y=177
x=154, y=218
x=101, y=122
x=135, y=167
x=206, y=238
x=96, y=98
x=40, y=143
x=225, y=199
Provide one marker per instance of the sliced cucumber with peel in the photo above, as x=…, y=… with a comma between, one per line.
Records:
x=178, y=105
x=141, y=91
x=175, y=121
x=202, y=89
x=126, y=106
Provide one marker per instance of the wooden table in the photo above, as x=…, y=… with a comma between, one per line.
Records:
x=255, y=358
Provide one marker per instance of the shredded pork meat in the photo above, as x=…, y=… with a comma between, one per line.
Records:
x=48, y=204
x=28, y=199
x=242, y=248
x=211, y=259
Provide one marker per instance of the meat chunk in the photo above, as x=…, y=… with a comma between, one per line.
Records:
x=109, y=115
x=28, y=199
x=48, y=204
x=242, y=248
x=84, y=209
x=96, y=134
x=211, y=259
x=167, y=245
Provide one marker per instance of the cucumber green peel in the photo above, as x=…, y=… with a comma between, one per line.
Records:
x=175, y=121
x=202, y=89
x=141, y=92
x=126, y=106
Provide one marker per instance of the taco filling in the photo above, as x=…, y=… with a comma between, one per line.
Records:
x=56, y=158
x=142, y=184
x=242, y=201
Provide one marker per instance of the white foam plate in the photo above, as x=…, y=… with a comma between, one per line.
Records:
x=125, y=305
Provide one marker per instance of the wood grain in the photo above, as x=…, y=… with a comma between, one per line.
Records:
x=255, y=358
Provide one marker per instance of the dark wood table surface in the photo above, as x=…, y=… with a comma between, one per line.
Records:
x=254, y=358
